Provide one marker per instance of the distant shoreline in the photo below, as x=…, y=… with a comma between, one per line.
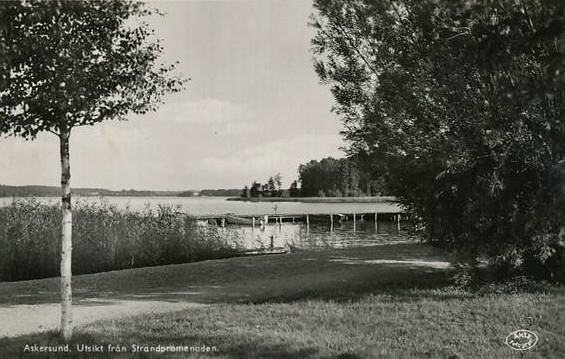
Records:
x=379, y=199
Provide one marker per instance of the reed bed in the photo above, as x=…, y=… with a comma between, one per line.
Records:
x=104, y=238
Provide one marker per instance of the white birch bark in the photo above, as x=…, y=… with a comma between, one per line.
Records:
x=66, y=238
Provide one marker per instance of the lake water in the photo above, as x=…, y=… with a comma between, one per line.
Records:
x=314, y=236
x=219, y=205
x=319, y=236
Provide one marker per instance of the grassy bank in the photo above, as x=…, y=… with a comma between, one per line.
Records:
x=238, y=279
x=104, y=238
x=381, y=199
x=391, y=301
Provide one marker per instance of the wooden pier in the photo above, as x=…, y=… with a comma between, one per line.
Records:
x=254, y=220
x=261, y=221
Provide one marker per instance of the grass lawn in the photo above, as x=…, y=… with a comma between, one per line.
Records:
x=354, y=308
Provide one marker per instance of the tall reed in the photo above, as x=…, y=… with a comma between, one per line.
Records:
x=104, y=238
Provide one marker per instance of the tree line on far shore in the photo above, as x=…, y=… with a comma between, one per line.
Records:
x=328, y=177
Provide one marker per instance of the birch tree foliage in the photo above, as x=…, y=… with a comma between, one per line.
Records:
x=69, y=64
x=461, y=105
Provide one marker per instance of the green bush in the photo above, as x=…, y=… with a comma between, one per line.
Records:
x=104, y=238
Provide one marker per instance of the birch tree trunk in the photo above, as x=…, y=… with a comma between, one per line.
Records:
x=66, y=237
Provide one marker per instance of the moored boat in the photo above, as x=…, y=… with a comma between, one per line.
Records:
x=319, y=218
x=239, y=220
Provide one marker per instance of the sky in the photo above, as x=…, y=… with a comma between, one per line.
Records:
x=254, y=107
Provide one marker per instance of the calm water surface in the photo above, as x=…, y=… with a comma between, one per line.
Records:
x=219, y=205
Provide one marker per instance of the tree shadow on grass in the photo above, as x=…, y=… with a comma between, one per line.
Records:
x=338, y=282
x=431, y=284
x=343, y=282
x=240, y=280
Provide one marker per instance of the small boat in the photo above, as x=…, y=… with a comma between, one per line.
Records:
x=323, y=218
x=239, y=220
x=266, y=251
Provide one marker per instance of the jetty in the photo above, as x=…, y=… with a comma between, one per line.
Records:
x=260, y=222
x=255, y=220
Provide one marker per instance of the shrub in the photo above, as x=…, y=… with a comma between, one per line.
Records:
x=466, y=126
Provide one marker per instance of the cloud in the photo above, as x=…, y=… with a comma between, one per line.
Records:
x=258, y=162
x=184, y=118
x=235, y=128
x=205, y=111
x=30, y=162
x=187, y=145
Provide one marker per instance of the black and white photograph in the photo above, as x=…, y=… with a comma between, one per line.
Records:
x=264, y=179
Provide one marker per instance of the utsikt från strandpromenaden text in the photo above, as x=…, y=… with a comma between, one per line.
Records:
x=119, y=348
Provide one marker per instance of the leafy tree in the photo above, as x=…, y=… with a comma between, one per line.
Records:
x=330, y=176
x=294, y=191
x=76, y=63
x=318, y=176
x=255, y=190
x=265, y=190
x=277, y=179
x=462, y=105
x=269, y=189
x=372, y=174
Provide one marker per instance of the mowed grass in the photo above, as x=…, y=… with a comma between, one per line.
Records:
x=379, y=311
x=435, y=323
x=242, y=279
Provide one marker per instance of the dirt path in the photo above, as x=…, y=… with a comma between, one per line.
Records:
x=33, y=306
x=26, y=319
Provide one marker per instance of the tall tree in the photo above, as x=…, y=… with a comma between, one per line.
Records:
x=278, y=185
x=294, y=191
x=270, y=189
x=330, y=176
x=462, y=105
x=76, y=63
x=255, y=190
x=246, y=193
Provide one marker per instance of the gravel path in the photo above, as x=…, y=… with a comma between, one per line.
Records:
x=26, y=319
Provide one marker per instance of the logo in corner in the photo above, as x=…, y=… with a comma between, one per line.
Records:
x=521, y=339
